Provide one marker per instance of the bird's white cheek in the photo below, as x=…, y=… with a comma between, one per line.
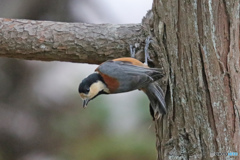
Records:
x=93, y=91
x=83, y=96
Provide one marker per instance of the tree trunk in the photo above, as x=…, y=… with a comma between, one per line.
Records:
x=199, y=41
x=197, y=44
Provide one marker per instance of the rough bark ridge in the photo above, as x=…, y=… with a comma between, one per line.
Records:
x=72, y=42
x=200, y=40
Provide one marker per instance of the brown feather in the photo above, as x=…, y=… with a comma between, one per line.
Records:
x=112, y=83
x=133, y=61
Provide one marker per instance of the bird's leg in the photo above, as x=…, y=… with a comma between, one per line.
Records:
x=132, y=51
x=147, y=57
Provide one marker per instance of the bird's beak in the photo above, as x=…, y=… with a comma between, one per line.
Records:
x=85, y=102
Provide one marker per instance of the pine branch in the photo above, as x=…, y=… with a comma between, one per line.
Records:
x=72, y=42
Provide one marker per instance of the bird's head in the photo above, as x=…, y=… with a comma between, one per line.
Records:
x=91, y=87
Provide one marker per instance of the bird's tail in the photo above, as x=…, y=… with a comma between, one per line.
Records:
x=157, y=100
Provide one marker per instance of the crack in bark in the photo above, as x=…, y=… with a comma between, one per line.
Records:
x=199, y=20
x=209, y=107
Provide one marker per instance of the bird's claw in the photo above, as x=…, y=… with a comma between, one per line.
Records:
x=147, y=42
x=147, y=56
x=132, y=51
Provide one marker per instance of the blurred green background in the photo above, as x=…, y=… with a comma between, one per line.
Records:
x=41, y=114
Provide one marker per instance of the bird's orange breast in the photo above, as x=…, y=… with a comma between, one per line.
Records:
x=112, y=83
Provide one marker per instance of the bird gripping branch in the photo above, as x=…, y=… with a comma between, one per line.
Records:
x=124, y=75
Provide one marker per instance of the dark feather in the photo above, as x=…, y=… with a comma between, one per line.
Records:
x=157, y=101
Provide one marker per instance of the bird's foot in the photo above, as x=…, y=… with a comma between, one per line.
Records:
x=132, y=51
x=147, y=57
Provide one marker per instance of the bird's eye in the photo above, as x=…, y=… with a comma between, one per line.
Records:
x=87, y=90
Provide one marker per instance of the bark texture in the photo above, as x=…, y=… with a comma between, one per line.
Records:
x=199, y=43
x=72, y=42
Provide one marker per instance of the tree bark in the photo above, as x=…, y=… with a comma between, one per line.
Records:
x=197, y=44
x=72, y=42
x=200, y=40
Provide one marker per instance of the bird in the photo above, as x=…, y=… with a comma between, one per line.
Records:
x=123, y=75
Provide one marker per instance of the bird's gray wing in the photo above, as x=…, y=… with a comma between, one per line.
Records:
x=130, y=76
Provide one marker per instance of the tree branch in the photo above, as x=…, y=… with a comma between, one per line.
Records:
x=72, y=42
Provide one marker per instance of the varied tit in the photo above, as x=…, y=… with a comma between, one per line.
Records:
x=123, y=75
